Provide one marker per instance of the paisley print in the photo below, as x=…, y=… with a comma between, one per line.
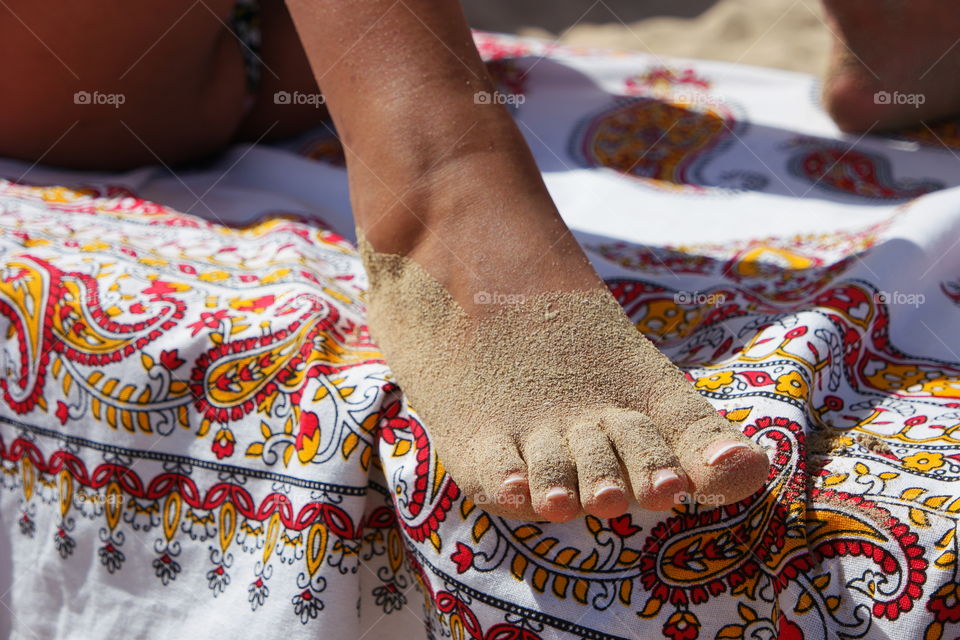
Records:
x=659, y=142
x=834, y=167
x=197, y=430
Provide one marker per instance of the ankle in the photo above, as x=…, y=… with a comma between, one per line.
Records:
x=459, y=196
x=477, y=226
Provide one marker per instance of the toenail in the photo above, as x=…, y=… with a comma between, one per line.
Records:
x=558, y=494
x=608, y=492
x=664, y=477
x=514, y=479
x=722, y=451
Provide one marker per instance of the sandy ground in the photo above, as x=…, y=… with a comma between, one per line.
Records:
x=787, y=34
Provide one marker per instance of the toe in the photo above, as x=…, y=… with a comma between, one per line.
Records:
x=603, y=490
x=656, y=478
x=552, y=476
x=494, y=476
x=850, y=103
x=724, y=465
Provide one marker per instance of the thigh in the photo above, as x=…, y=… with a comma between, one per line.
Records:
x=113, y=84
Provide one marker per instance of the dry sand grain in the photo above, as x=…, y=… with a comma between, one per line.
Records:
x=563, y=376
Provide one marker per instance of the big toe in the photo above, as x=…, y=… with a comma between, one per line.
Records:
x=724, y=466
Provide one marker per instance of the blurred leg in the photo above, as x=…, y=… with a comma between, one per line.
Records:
x=111, y=84
x=894, y=63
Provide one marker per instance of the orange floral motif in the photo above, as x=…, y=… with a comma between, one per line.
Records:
x=223, y=443
x=792, y=384
x=682, y=625
x=924, y=461
x=308, y=436
x=716, y=381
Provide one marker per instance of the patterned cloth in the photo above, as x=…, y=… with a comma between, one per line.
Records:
x=198, y=438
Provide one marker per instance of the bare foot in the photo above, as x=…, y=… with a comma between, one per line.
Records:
x=894, y=63
x=540, y=408
x=541, y=397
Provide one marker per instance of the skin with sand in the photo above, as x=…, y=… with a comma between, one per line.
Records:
x=556, y=398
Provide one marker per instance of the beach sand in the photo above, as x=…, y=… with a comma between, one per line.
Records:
x=786, y=34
